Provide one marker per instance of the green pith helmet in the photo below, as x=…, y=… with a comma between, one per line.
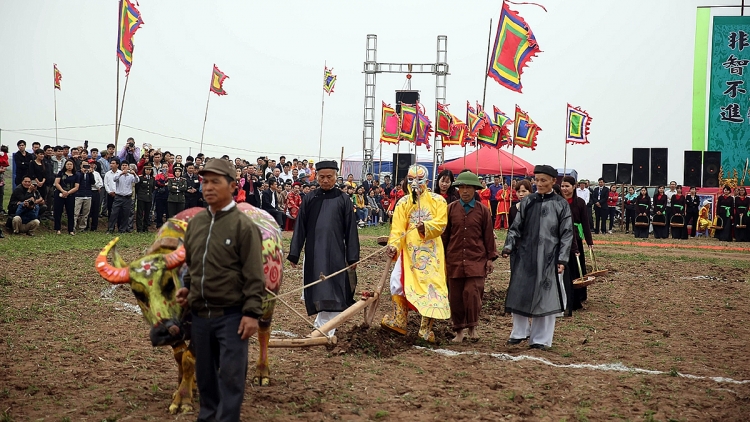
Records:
x=468, y=179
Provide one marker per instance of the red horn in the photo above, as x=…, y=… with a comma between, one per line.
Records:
x=175, y=258
x=109, y=272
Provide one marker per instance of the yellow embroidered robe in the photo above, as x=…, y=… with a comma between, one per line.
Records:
x=425, y=284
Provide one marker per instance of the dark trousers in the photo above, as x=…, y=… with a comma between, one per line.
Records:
x=67, y=205
x=493, y=208
x=191, y=202
x=465, y=297
x=174, y=208
x=143, y=215
x=2, y=196
x=49, y=198
x=278, y=216
x=122, y=206
x=220, y=366
x=601, y=218
x=629, y=219
x=161, y=211
x=589, y=215
x=612, y=212
x=110, y=201
x=96, y=203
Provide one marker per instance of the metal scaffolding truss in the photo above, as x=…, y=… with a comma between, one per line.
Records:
x=372, y=68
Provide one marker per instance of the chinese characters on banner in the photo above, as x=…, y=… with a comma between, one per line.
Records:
x=729, y=101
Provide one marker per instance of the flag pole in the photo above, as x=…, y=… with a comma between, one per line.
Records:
x=322, y=108
x=117, y=102
x=54, y=91
x=122, y=106
x=487, y=69
x=205, y=116
x=565, y=154
x=484, y=91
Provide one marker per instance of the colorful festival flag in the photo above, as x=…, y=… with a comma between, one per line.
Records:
x=503, y=122
x=444, y=121
x=458, y=132
x=473, y=121
x=408, y=122
x=578, y=126
x=488, y=134
x=217, y=81
x=525, y=130
x=129, y=22
x=424, y=129
x=329, y=80
x=389, y=125
x=58, y=77
x=515, y=46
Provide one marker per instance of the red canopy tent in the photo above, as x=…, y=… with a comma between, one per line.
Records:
x=490, y=164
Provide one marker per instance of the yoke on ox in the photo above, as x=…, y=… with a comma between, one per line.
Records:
x=156, y=277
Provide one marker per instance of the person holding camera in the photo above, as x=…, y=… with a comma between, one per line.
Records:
x=86, y=182
x=130, y=153
x=122, y=205
x=28, y=208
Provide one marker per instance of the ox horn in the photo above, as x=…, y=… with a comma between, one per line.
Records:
x=109, y=272
x=175, y=258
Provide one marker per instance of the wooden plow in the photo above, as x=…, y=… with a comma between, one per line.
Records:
x=368, y=304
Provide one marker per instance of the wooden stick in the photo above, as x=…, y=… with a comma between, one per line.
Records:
x=301, y=342
x=342, y=317
x=326, y=277
x=370, y=312
x=298, y=314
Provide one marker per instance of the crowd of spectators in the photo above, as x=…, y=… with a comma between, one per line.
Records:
x=138, y=188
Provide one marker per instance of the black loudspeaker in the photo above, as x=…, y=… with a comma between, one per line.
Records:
x=641, y=160
x=692, y=169
x=711, y=167
x=609, y=173
x=406, y=97
x=659, y=158
x=401, y=163
x=624, y=173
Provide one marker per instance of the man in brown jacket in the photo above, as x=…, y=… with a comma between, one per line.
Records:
x=470, y=250
x=224, y=289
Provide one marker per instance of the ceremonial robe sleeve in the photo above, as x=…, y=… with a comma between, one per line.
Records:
x=350, y=231
x=399, y=226
x=565, y=234
x=434, y=228
x=299, y=235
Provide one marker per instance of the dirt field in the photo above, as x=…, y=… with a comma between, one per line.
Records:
x=664, y=337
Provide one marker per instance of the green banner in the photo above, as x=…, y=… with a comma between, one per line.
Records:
x=700, y=76
x=729, y=101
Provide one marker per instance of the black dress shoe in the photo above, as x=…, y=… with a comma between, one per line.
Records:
x=514, y=341
x=538, y=346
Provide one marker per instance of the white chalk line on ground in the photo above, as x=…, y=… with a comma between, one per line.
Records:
x=616, y=367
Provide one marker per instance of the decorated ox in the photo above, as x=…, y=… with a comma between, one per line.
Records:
x=156, y=277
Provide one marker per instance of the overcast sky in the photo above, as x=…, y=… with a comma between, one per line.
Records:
x=628, y=63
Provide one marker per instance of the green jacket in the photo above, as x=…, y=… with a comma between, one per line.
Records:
x=223, y=254
x=177, y=188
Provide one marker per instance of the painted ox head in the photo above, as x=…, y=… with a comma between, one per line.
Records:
x=154, y=280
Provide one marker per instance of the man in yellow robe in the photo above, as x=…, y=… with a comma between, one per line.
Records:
x=419, y=219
